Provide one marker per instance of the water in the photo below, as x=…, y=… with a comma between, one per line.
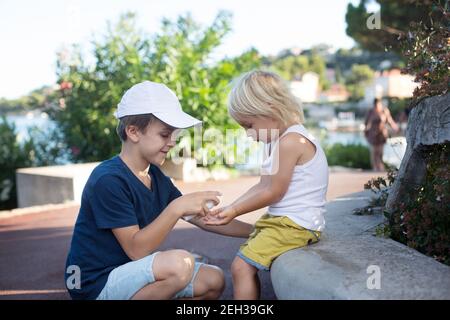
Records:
x=25, y=121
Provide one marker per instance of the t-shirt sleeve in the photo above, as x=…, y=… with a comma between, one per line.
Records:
x=111, y=203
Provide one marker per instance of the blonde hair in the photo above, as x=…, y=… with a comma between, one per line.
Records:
x=263, y=93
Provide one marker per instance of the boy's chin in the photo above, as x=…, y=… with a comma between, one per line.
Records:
x=160, y=160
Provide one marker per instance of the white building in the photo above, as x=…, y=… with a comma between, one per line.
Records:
x=389, y=83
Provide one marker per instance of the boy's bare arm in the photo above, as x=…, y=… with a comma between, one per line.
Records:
x=235, y=228
x=138, y=243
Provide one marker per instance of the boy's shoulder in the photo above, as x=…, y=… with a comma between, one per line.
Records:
x=115, y=171
x=108, y=169
x=111, y=165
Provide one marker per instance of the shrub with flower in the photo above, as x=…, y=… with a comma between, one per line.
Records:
x=427, y=52
x=422, y=221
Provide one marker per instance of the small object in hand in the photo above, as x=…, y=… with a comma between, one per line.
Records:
x=210, y=204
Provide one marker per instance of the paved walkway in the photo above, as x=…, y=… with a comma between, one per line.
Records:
x=33, y=247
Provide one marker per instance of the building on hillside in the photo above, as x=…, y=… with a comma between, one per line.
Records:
x=336, y=93
x=389, y=84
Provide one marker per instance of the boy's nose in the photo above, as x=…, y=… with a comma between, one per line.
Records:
x=173, y=140
x=171, y=143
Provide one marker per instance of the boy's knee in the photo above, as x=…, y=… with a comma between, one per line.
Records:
x=182, y=265
x=179, y=265
x=216, y=280
x=210, y=283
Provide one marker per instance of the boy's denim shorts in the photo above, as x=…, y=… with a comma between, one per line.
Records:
x=124, y=281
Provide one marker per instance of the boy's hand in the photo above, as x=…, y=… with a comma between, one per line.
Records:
x=220, y=216
x=195, y=203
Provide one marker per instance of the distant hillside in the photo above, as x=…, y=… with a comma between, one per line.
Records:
x=37, y=99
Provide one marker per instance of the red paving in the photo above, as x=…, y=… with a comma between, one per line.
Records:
x=33, y=247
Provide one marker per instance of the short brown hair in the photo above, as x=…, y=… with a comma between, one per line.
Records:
x=141, y=121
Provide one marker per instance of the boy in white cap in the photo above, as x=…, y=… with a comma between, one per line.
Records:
x=129, y=206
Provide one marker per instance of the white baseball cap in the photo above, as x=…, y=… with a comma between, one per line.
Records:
x=157, y=99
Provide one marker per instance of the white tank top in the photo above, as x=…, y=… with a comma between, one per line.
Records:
x=304, y=201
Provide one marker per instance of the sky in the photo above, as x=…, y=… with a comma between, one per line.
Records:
x=31, y=32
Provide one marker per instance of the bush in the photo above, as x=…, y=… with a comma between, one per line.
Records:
x=426, y=49
x=380, y=186
x=12, y=156
x=351, y=156
x=35, y=151
x=423, y=221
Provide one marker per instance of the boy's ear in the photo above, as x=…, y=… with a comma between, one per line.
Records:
x=132, y=133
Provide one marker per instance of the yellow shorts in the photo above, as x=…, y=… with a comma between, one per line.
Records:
x=274, y=235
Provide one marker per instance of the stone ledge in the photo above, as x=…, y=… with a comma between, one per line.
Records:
x=337, y=266
x=52, y=185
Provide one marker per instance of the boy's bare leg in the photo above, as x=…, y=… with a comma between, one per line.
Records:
x=208, y=284
x=246, y=284
x=173, y=271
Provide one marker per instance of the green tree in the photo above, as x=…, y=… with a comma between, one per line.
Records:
x=317, y=65
x=179, y=56
x=344, y=59
x=12, y=156
x=359, y=78
x=292, y=67
x=427, y=53
x=16, y=153
x=395, y=18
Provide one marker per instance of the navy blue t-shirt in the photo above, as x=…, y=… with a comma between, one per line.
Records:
x=112, y=198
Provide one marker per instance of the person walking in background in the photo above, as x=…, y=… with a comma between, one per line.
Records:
x=376, y=132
